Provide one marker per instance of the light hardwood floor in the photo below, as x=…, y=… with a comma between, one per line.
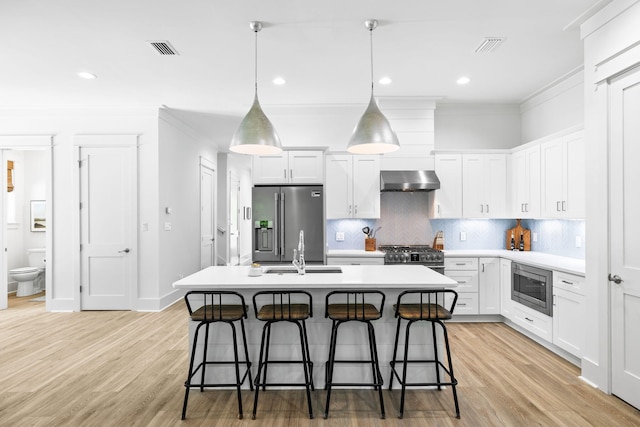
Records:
x=128, y=368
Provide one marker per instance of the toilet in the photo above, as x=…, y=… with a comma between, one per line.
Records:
x=30, y=279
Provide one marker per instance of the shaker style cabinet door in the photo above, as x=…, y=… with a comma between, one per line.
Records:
x=447, y=201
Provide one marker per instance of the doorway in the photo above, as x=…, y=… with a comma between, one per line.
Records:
x=30, y=191
x=208, y=185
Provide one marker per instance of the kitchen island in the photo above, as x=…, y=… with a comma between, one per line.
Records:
x=391, y=280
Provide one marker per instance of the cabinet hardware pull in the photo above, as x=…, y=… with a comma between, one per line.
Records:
x=291, y=174
x=483, y=267
x=526, y=207
x=558, y=206
x=355, y=209
x=481, y=208
x=530, y=320
x=522, y=207
x=564, y=205
x=438, y=207
x=285, y=173
x=459, y=263
x=487, y=208
x=567, y=282
x=462, y=304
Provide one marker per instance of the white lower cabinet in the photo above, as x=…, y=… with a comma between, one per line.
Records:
x=532, y=320
x=505, y=287
x=346, y=260
x=489, y=286
x=465, y=272
x=568, y=313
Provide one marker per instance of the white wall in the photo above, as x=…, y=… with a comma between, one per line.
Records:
x=180, y=151
x=477, y=126
x=557, y=107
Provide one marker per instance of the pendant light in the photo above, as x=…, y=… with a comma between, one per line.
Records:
x=256, y=135
x=373, y=133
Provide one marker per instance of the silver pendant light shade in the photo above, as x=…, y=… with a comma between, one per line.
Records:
x=373, y=133
x=256, y=135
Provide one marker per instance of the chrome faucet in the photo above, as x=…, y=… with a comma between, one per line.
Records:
x=298, y=255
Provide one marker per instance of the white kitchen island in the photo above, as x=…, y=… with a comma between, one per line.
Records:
x=352, y=339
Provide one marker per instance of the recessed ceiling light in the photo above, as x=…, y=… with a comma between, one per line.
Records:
x=385, y=81
x=86, y=75
x=463, y=80
x=279, y=81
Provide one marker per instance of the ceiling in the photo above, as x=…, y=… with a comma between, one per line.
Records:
x=321, y=48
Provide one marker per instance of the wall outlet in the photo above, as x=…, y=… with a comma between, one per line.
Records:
x=578, y=242
x=534, y=236
x=167, y=226
x=463, y=236
x=339, y=236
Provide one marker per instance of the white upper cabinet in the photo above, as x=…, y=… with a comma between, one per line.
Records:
x=352, y=186
x=447, y=201
x=484, y=185
x=289, y=167
x=525, y=175
x=563, y=177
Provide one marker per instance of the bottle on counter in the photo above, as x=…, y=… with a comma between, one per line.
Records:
x=521, y=241
x=513, y=242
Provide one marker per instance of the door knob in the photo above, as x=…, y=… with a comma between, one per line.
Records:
x=615, y=279
x=126, y=251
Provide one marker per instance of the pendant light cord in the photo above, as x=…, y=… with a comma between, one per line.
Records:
x=256, y=62
x=371, y=50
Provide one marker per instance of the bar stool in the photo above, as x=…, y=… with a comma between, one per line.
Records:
x=433, y=306
x=348, y=306
x=291, y=306
x=216, y=307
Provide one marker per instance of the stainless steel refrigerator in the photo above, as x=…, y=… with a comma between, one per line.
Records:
x=279, y=213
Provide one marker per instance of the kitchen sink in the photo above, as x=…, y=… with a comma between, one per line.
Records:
x=308, y=270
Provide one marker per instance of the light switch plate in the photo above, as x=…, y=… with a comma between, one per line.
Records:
x=463, y=236
x=339, y=236
x=167, y=226
x=534, y=237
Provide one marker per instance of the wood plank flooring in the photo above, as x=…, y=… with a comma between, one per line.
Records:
x=128, y=368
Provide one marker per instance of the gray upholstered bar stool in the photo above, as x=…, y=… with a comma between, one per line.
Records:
x=291, y=306
x=434, y=306
x=354, y=306
x=207, y=308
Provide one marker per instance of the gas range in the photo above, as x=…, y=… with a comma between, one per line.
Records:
x=413, y=254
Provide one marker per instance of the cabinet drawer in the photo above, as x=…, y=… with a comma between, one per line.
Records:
x=467, y=303
x=467, y=280
x=533, y=321
x=569, y=282
x=355, y=260
x=461, y=263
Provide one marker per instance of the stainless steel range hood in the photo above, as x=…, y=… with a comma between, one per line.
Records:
x=409, y=181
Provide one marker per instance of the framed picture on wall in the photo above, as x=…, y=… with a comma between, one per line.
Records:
x=38, y=215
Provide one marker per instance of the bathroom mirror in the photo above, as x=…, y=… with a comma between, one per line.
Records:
x=38, y=215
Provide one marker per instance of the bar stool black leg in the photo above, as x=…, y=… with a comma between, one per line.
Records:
x=453, y=380
x=204, y=357
x=332, y=357
x=191, y=361
x=266, y=357
x=395, y=354
x=378, y=377
x=306, y=347
x=305, y=368
x=237, y=365
x=326, y=365
x=246, y=354
x=435, y=353
x=405, y=366
x=255, y=398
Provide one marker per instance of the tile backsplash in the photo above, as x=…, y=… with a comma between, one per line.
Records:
x=404, y=221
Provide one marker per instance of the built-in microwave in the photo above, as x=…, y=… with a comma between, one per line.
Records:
x=533, y=287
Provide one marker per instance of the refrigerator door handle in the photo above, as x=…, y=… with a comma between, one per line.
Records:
x=281, y=225
x=276, y=225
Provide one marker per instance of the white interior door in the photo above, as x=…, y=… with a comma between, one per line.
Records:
x=108, y=217
x=234, y=219
x=625, y=236
x=207, y=216
x=3, y=238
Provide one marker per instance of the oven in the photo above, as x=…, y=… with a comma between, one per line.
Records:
x=533, y=287
x=413, y=254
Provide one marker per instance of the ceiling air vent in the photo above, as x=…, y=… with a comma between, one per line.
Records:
x=489, y=44
x=162, y=47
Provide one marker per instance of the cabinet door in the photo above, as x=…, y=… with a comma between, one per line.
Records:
x=495, y=185
x=568, y=321
x=473, y=203
x=505, y=288
x=532, y=207
x=338, y=186
x=448, y=199
x=270, y=169
x=575, y=176
x=552, y=178
x=520, y=180
x=366, y=186
x=305, y=167
x=489, y=286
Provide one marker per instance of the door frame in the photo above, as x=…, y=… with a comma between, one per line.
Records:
x=28, y=143
x=97, y=141
x=208, y=164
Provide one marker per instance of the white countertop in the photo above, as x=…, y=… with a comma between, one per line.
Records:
x=355, y=253
x=536, y=259
x=352, y=276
